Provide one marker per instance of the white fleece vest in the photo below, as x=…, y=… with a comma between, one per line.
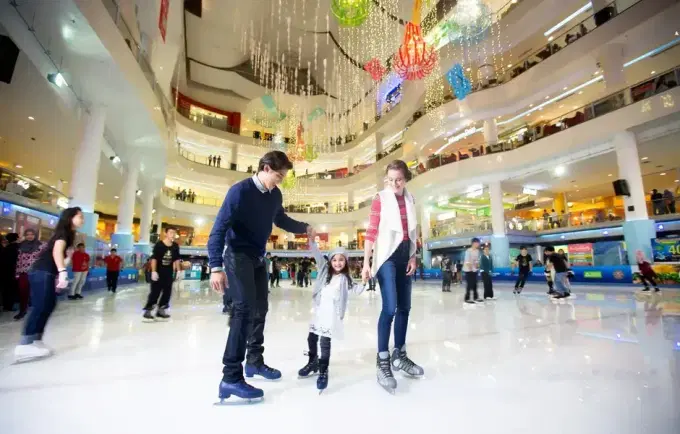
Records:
x=390, y=231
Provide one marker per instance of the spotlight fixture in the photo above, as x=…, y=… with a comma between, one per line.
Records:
x=139, y=192
x=115, y=159
x=57, y=79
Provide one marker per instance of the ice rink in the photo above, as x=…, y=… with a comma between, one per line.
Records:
x=606, y=362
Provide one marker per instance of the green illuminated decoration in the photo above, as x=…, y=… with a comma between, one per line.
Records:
x=351, y=13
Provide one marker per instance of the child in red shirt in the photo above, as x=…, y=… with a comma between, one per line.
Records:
x=647, y=273
x=80, y=268
x=113, y=263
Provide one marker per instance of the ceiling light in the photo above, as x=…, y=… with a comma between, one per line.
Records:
x=580, y=92
x=596, y=73
x=550, y=39
x=610, y=174
x=116, y=197
x=547, y=97
x=653, y=52
x=36, y=177
x=662, y=173
x=531, y=105
x=645, y=158
x=53, y=186
x=565, y=88
x=323, y=228
x=198, y=221
x=19, y=166
x=31, y=118
x=57, y=79
x=560, y=170
x=101, y=183
x=49, y=171
x=677, y=180
x=469, y=69
x=653, y=72
x=115, y=159
x=509, y=65
x=139, y=192
x=566, y=20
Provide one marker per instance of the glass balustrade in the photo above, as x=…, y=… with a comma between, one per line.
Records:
x=19, y=185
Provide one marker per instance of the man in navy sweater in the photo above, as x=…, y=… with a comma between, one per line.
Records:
x=244, y=224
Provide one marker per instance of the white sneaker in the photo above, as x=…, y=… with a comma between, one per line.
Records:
x=41, y=344
x=26, y=353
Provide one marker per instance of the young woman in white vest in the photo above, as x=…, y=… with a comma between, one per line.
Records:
x=391, y=242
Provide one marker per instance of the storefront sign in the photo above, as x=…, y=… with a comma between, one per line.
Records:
x=529, y=191
x=163, y=18
x=666, y=250
x=581, y=255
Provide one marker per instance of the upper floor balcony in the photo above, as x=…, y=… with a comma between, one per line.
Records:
x=28, y=192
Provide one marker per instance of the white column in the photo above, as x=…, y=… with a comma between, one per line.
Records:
x=147, y=215
x=86, y=164
x=497, y=210
x=628, y=161
x=426, y=233
x=610, y=58
x=234, y=155
x=350, y=199
x=490, y=131
x=126, y=204
x=350, y=164
x=158, y=216
x=379, y=138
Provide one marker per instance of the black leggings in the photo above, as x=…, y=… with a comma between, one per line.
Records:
x=646, y=280
x=521, y=278
x=312, y=340
x=446, y=281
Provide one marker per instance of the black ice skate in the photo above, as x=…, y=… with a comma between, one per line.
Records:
x=148, y=316
x=240, y=389
x=322, y=381
x=401, y=362
x=160, y=313
x=311, y=368
x=384, y=374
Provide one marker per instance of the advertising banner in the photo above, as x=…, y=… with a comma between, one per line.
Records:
x=666, y=250
x=581, y=255
x=163, y=18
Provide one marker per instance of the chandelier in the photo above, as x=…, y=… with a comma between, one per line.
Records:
x=375, y=68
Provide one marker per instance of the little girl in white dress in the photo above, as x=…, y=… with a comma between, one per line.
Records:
x=331, y=290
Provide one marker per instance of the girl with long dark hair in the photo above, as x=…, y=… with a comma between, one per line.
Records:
x=331, y=289
x=47, y=276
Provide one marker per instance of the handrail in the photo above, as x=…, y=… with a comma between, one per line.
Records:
x=21, y=185
x=336, y=208
x=166, y=107
x=525, y=61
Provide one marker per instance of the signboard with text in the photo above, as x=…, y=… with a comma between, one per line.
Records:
x=666, y=250
x=581, y=255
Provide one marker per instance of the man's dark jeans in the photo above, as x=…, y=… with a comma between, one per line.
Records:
x=248, y=291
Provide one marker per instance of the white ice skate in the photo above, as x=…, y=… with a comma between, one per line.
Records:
x=28, y=353
x=384, y=375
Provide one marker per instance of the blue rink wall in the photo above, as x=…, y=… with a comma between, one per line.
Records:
x=605, y=274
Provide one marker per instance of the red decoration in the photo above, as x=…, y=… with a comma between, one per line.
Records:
x=374, y=68
x=297, y=151
x=415, y=59
x=163, y=18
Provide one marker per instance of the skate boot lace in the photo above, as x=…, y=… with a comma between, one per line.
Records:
x=385, y=368
x=405, y=363
x=268, y=369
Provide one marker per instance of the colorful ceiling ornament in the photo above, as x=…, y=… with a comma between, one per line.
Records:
x=471, y=18
x=415, y=59
x=297, y=151
x=458, y=81
x=315, y=114
x=375, y=68
x=351, y=13
x=311, y=154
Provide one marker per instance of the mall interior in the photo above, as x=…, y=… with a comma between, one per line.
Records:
x=524, y=123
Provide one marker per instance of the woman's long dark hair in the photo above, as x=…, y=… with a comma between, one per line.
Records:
x=65, y=229
x=332, y=272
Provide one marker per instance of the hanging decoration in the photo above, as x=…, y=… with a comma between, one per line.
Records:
x=375, y=68
x=316, y=113
x=459, y=83
x=297, y=150
x=351, y=13
x=310, y=154
x=415, y=59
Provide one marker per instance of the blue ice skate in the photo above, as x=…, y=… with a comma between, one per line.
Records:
x=239, y=389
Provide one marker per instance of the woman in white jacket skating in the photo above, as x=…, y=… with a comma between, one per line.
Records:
x=331, y=289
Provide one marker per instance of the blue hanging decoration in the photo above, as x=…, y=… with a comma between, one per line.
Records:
x=317, y=112
x=459, y=82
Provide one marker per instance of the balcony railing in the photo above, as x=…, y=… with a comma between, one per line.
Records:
x=328, y=208
x=27, y=188
x=141, y=56
x=554, y=45
x=615, y=101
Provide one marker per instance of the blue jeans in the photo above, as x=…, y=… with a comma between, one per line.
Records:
x=560, y=287
x=395, y=290
x=44, y=299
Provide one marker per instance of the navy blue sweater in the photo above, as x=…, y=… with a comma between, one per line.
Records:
x=245, y=220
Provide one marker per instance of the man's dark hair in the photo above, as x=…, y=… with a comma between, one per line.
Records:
x=114, y=250
x=522, y=247
x=80, y=245
x=399, y=165
x=475, y=240
x=549, y=249
x=170, y=228
x=276, y=160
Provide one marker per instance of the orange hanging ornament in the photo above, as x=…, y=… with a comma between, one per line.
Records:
x=415, y=59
